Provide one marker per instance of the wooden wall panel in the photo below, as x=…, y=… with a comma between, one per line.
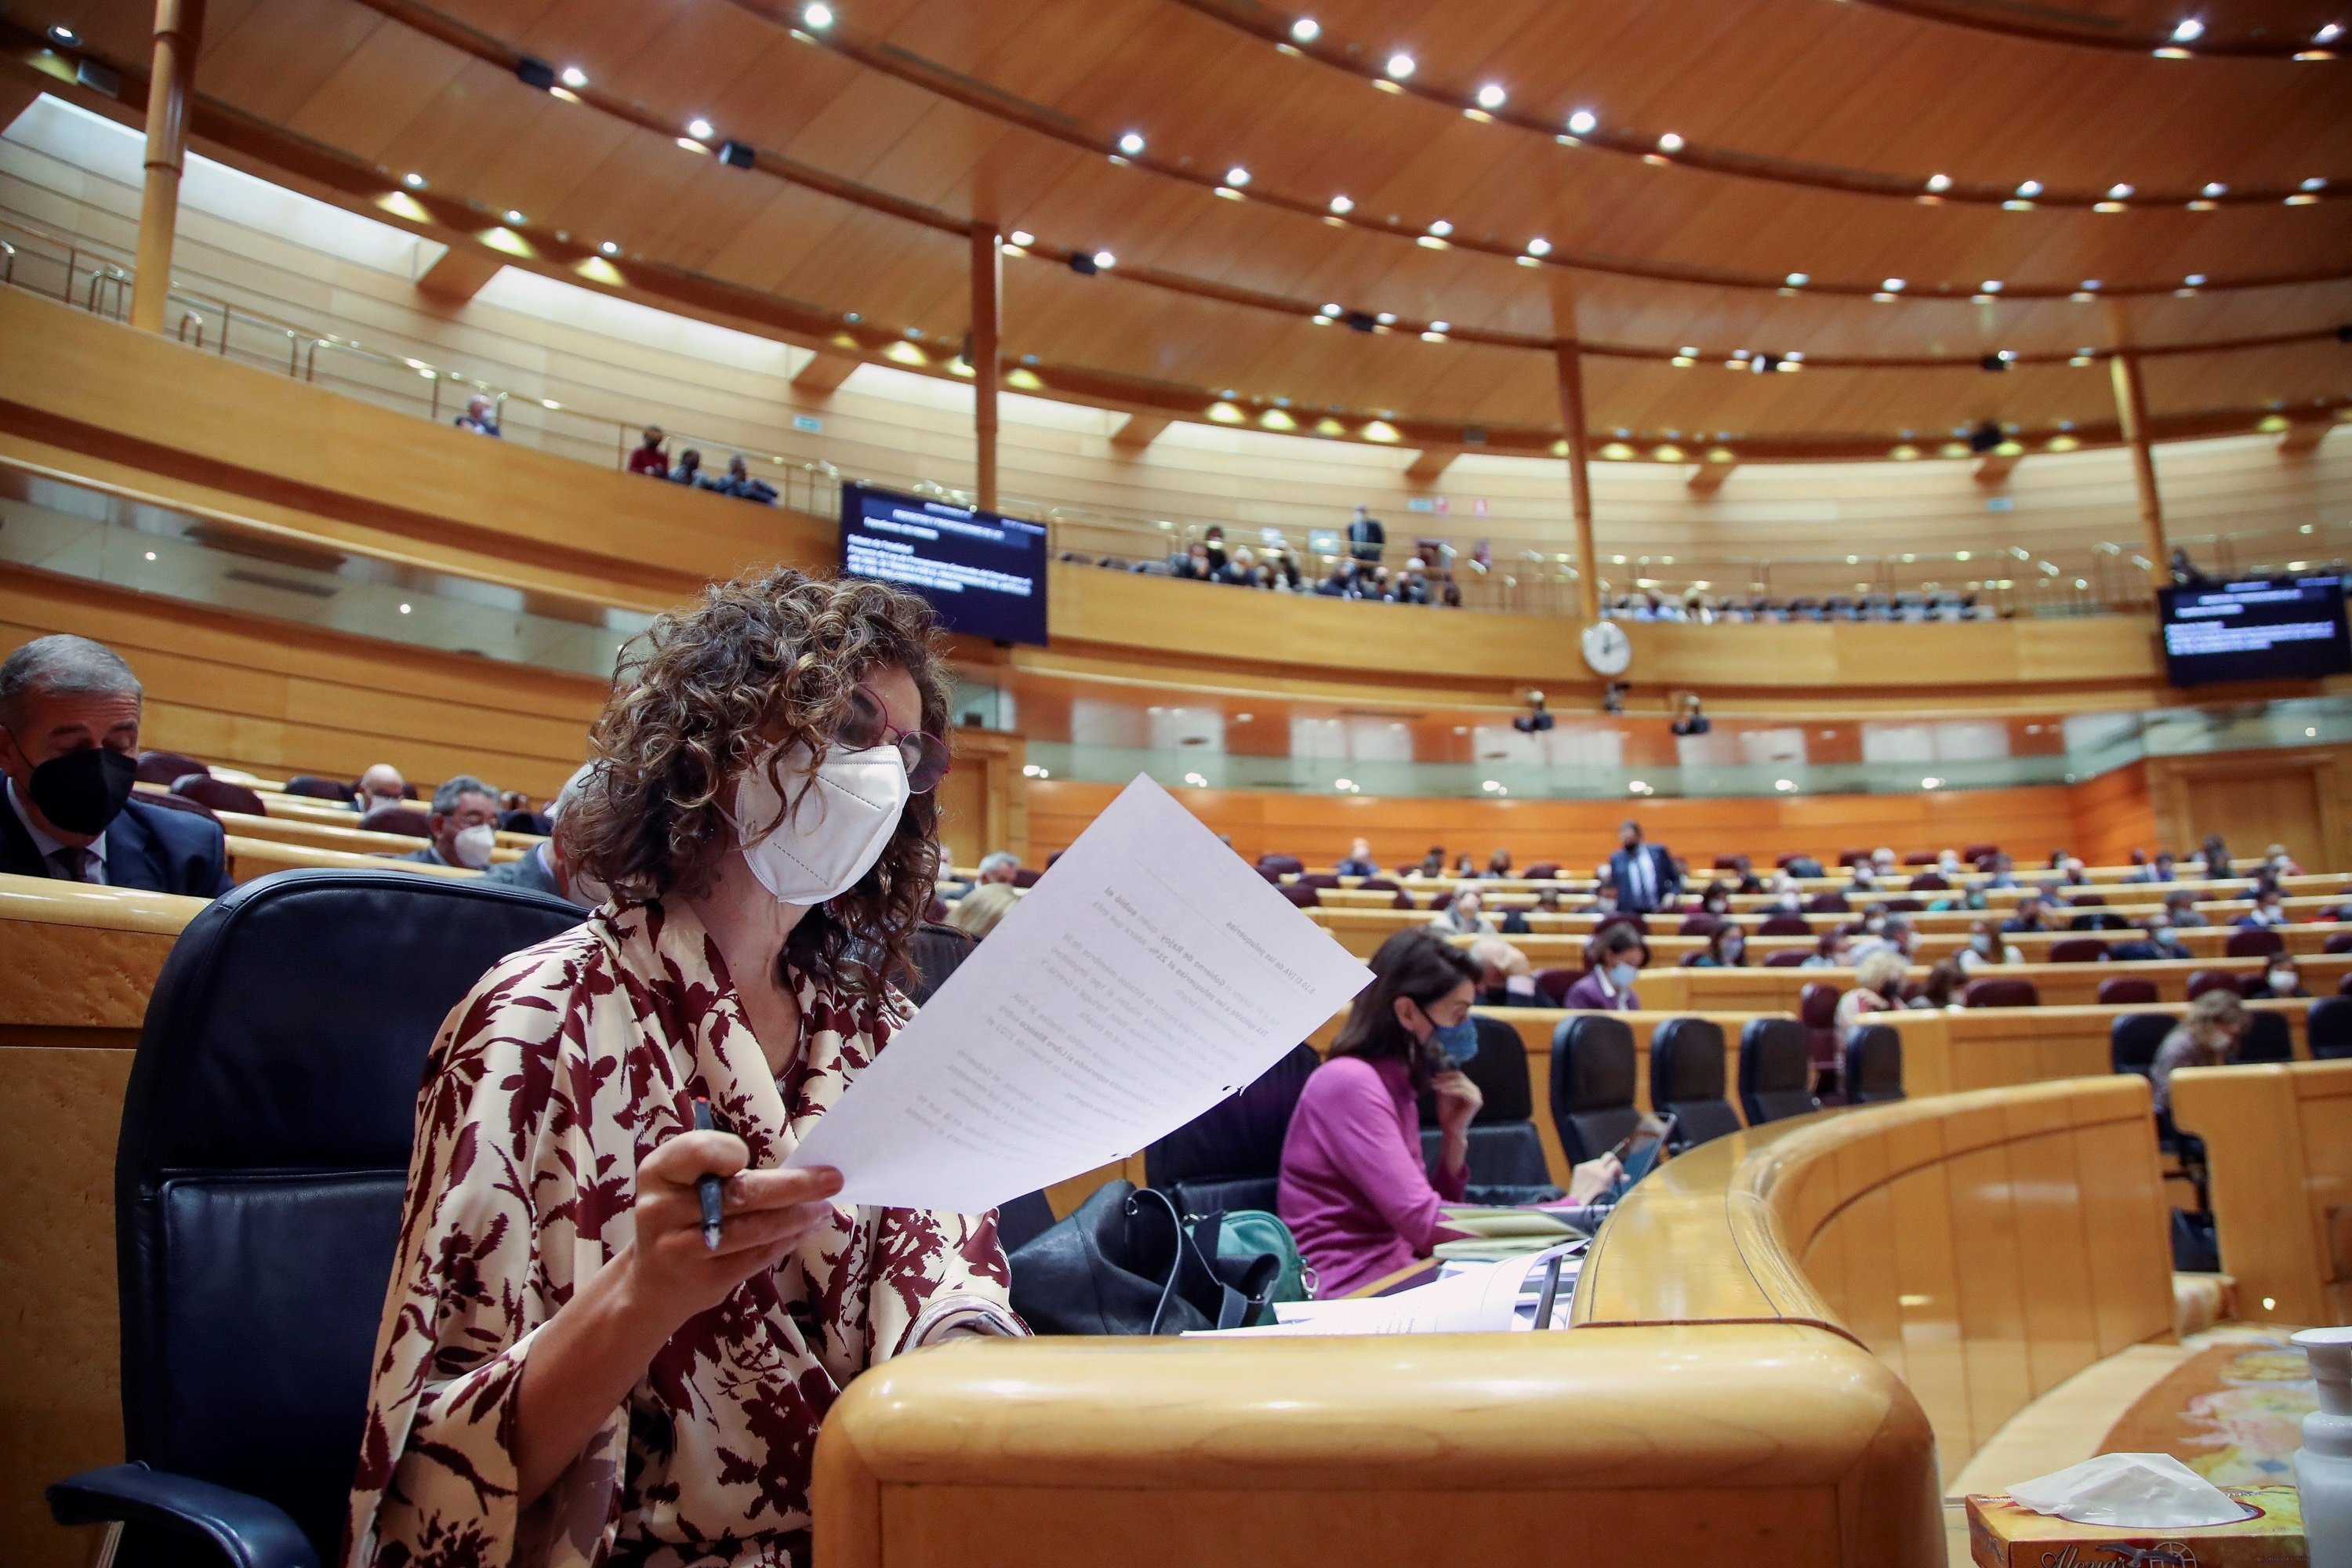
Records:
x=2297, y=795
x=2115, y=814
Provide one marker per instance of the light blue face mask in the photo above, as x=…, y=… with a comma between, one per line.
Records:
x=1453, y=1043
x=1622, y=975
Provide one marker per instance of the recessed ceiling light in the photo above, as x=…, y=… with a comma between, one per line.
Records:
x=150, y=555
x=1329, y=310
x=2195, y=280
x=1400, y=67
x=818, y=16
x=1989, y=286
x=1939, y=181
x=2090, y=285
x=1343, y=206
x=1305, y=30
x=1582, y=122
x=1670, y=143
x=1690, y=352
x=61, y=34
x=1021, y=237
x=574, y=77
x=2188, y=30
x=403, y=609
x=1492, y=96
x=1386, y=318
x=610, y=247
x=1131, y=144
x=2119, y=191
x=2029, y=188
x=698, y=129
x=513, y=216
x=2315, y=182
x=1441, y=228
x=1799, y=280
x=1892, y=286
x=1441, y=326
x=1540, y=245
x=2216, y=188
x=413, y=181
x=1105, y=260
x=2328, y=33
x=1237, y=176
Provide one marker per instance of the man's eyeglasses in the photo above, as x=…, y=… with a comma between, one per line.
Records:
x=867, y=725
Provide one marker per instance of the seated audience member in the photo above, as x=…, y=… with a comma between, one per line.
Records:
x=1785, y=897
x=1504, y=977
x=525, y=1357
x=1943, y=985
x=1498, y=866
x=1194, y=565
x=688, y=471
x=464, y=824
x=2280, y=979
x=1727, y=947
x=544, y=867
x=1547, y=902
x=1465, y=915
x=1359, y=861
x=1804, y=867
x=2005, y=873
x=1877, y=988
x=1213, y=543
x=2155, y=943
x=1463, y=869
x=998, y=865
x=1833, y=951
x=1716, y=900
x=2268, y=909
x=740, y=483
x=1882, y=862
x=380, y=786
x=2280, y=863
x=2028, y=918
x=480, y=418
x=2208, y=1035
x=1892, y=933
x=649, y=458
x=1604, y=902
x=2215, y=858
x=979, y=911
x=2159, y=870
x=1947, y=863
x=69, y=712
x=1342, y=583
x=1613, y=961
x=1432, y=864
x=1749, y=882
x=1240, y=569
x=1986, y=948
x=2181, y=910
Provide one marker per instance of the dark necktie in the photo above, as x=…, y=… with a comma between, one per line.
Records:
x=72, y=864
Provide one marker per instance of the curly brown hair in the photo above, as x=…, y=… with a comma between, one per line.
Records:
x=755, y=668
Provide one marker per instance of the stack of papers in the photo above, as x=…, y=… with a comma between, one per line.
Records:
x=1466, y=1232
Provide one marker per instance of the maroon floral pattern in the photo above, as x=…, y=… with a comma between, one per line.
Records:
x=568, y=1065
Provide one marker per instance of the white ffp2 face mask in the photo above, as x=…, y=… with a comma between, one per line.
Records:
x=474, y=844
x=839, y=829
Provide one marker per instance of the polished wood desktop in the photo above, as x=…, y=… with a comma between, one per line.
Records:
x=2278, y=1145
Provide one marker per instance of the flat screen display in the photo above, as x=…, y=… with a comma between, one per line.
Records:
x=2261, y=629
x=983, y=573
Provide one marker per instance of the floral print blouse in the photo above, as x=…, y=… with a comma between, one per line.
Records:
x=567, y=1064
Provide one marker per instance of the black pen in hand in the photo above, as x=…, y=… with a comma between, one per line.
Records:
x=707, y=1188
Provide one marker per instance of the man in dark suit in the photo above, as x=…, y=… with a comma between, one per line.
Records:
x=1643, y=874
x=70, y=711
x=1365, y=535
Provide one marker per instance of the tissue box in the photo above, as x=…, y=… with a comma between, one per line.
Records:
x=2003, y=1535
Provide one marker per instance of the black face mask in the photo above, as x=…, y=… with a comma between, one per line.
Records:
x=82, y=791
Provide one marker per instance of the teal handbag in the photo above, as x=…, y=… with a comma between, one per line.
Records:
x=1251, y=1232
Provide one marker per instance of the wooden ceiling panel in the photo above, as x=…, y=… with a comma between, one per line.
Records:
x=273, y=58
x=381, y=86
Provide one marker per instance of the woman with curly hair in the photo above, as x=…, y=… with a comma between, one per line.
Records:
x=572, y=1369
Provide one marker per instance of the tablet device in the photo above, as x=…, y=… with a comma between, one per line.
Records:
x=1642, y=1148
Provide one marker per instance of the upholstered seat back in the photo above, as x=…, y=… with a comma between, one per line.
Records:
x=1593, y=1065
x=1776, y=1070
x=1687, y=1077
x=1229, y=1156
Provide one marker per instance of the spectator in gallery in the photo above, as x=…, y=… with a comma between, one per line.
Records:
x=2159, y=871
x=998, y=865
x=463, y=823
x=740, y=483
x=2028, y=918
x=1365, y=535
x=480, y=416
x=1452, y=597
x=649, y=457
x=1214, y=542
x=1343, y=581
x=1465, y=915
x=688, y=471
x=2155, y=941
x=2181, y=910
x=1194, y=565
x=1613, y=961
x=1547, y=902
x=69, y=716
x=380, y=786
x=1432, y=864
x=1412, y=584
x=1359, y=861
x=1234, y=567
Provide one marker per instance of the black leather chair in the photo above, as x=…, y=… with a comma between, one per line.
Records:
x=2269, y=1037
x=258, y=1189
x=1506, y=1156
x=1229, y=1156
x=1873, y=1063
x=1687, y=1077
x=2329, y=1029
x=1593, y=1067
x=1022, y=1220
x=2134, y=1038
x=1776, y=1070
x=937, y=951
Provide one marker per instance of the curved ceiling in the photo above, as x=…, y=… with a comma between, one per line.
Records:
x=1808, y=136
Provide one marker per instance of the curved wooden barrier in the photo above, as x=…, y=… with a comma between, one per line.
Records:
x=2278, y=1143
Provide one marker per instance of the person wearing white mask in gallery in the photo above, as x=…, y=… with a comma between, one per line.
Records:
x=379, y=787
x=572, y=1366
x=464, y=823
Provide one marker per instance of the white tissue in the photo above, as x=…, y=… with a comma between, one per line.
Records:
x=2134, y=1492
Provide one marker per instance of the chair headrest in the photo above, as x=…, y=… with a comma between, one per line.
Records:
x=1686, y=1060
x=1242, y=1134
x=289, y=1026
x=1592, y=1063
x=1775, y=1052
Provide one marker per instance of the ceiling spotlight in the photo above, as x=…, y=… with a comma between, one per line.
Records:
x=819, y=17
x=2195, y=280
x=1386, y=318
x=1892, y=286
x=699, y=129
x=61, y=34
x=413, y=181
x=1540, y=245
x=1492, y=96
x=1582, y=122
x=2090, y=285
x=1441, y=326
x=2315, y=182
x=574, y=77
x=1328, y=310
x=1343, y=206
x=1989, y=286
x=1131, y=144
x=2188, y=30
x=2328, y=33
x=514, y=218
x=1400, y=67
x=1021, y=237
x=1105, y=260
x=2215, y=188
x=1670, y=143
x=1996, y=362
x=1237, y=176
x=1784, y=786
x=1939, y=181
x=1799, y=280
x=610, y=247
x=1303, y=30
x=1441, y=228
x=2029, y=188
x=2119, y=191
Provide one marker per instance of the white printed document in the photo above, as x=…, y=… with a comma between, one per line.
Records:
x=1477, y=1299
x=1147, y=976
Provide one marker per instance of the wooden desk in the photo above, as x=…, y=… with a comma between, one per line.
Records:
x=2278, y=1143
x=251, y=858
x=1959, y=1049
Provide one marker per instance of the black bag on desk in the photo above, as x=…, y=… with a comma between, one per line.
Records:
x=1125, y=1264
